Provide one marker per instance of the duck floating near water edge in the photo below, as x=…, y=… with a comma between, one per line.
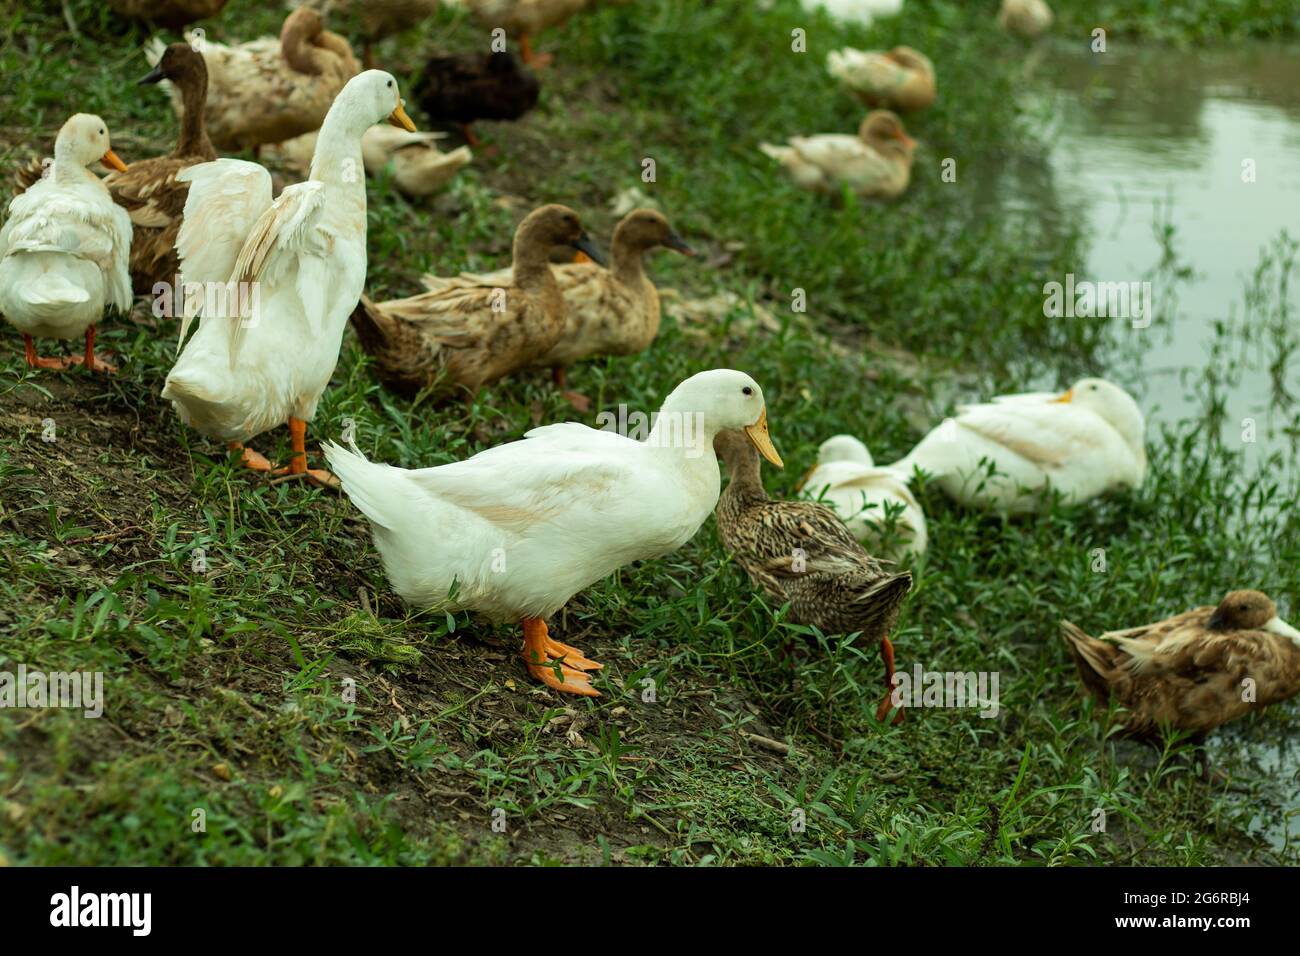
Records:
x=520, y=528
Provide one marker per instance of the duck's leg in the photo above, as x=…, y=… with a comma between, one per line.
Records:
x=249, y=458
x=538, y=61
x=298, y=462
x=579, y=401
x=887, y=655
x=34, y=360
x=471, y=139
x=90, y=360
x=544, y=657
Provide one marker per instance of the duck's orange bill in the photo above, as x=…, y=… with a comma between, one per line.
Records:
x=1066, y=398
x=399, y=119
x=111, y=160
x=757, y=433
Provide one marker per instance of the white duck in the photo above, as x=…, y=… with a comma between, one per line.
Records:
x=418, y=167
x=846, y=478
x=519, y=529
x=877, y=163
x=1028, y=19
x=1082, y=444
x=863, y=12
x=294, y=269
x=65, y=249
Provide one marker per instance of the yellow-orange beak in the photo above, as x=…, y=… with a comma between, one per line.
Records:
x=399, y=119
x=1064, y=399
x=757, y=433
x=111, y=160
x=906, y=140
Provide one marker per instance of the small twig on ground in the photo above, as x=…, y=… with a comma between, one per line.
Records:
x=767, y=743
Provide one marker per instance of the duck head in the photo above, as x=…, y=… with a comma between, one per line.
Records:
x=1250, y=611
x=368, y=98
x=883, y=131
x=724, y=400
x=181, y=64
x=84, y=140
x=844, y=448
x=552, y=228
x=645, y=229
x=1115, y=406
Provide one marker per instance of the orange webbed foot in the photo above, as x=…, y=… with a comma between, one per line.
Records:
x=556, y=665
x=250, y=458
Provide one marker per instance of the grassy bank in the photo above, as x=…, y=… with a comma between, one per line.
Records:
x=230, y=680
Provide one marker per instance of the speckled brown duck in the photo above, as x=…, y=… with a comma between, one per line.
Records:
x=800, y=552
x=468, y=332
x=1189, y=672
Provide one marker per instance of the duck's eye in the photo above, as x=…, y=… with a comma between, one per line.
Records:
x=389, y=84
x=747, y=390
x=101, y=132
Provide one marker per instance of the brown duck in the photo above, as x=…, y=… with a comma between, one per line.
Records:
x=468, y=332
x=1190, y=672
x=800, y=552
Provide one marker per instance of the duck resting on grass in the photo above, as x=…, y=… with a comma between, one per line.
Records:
x=1082, y=443
x=875, y=164
x=518, y=529
x=65, y=248
x=800, y=553
x=469, y=87
x=289, y=272
x=467, y=332
x=846, y=478
x=898, y=79
x=1194, y=671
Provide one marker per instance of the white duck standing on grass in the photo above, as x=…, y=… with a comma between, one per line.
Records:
x=65, y=249
x=519, y=529
x=865, y=495
x=295, y=268
x=1083, y=443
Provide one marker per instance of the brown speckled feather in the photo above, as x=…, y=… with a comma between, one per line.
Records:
x=801, y=552
x=1187, y=671
x=470, y=331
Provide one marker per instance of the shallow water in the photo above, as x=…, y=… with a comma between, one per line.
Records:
x=1149, y=148
x=1149, y=139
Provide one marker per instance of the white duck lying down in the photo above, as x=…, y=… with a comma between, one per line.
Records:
x=865, y=496
x=65, y=249
x=1083, y=443
x=264, y=355
x=520, y=528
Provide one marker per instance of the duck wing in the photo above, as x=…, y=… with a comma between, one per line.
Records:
x=226, y=198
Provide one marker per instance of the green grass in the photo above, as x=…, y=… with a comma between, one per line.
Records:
x=309, y=729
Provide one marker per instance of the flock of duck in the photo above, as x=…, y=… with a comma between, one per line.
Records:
x=513, y=532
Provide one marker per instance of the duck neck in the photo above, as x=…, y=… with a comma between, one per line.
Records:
x=337, y=159
x=531, y=265
x=67, y=168
x=627, y=259
x=194, y=131
x=746, y=483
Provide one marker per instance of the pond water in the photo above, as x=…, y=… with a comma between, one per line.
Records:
x=1184, y=167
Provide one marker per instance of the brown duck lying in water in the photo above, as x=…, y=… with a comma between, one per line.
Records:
x=1189, y=672
x=469, y=332
x=800, y=552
